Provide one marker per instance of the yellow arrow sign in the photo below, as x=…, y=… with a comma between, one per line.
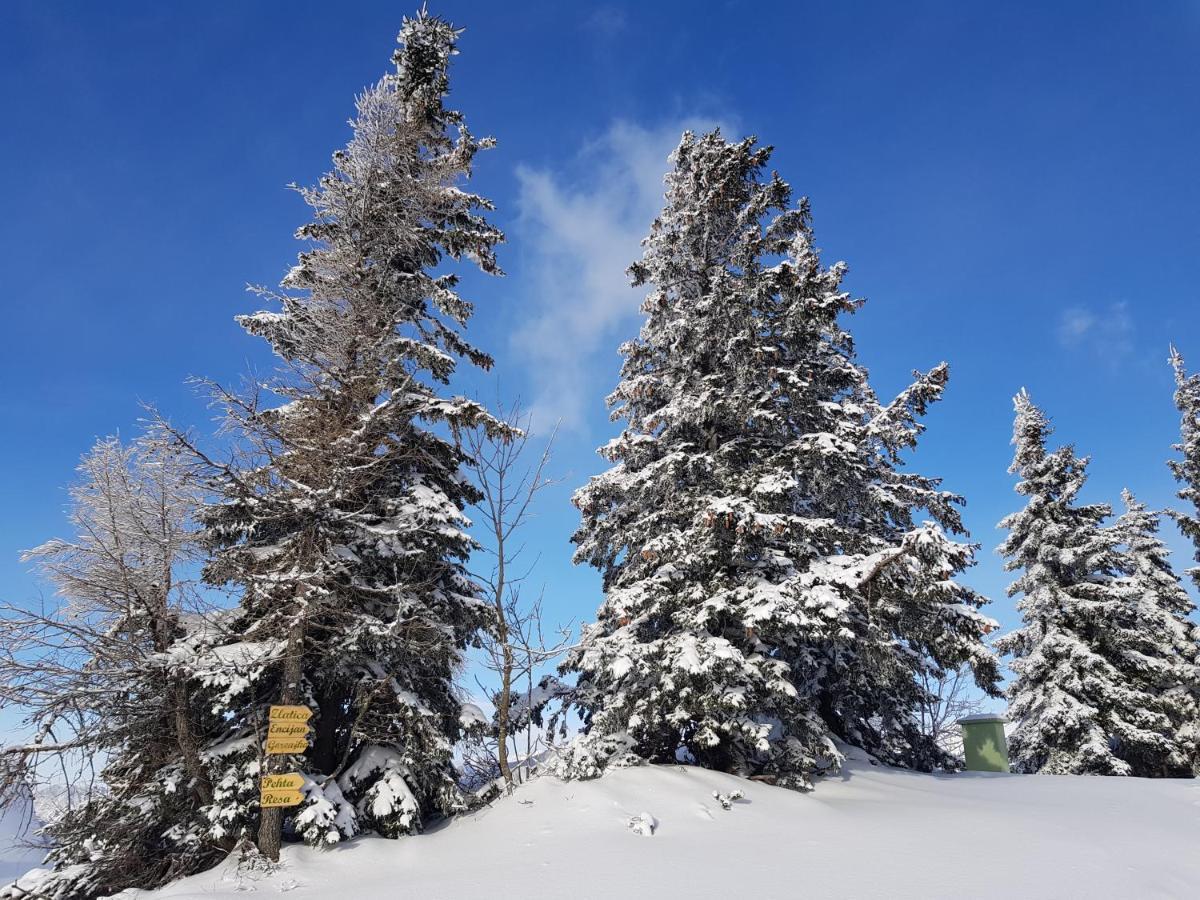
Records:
x=283, y=729
x=271, y=799
x=289, y=782
x=287, y=745
x=290, y=714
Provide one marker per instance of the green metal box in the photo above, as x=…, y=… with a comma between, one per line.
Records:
x=984, y=745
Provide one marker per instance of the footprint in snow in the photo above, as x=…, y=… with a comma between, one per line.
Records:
x=643, y=824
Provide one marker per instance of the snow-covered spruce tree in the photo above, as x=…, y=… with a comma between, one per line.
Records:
x=1158, y=646
x=342, y=522
x=766, y=586
x=1187, y=469
x=1076, y=707
x=98, y=684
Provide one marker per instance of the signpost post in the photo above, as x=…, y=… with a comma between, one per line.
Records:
x=287, y=734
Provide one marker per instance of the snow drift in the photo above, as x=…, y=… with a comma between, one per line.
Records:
x=872, y=832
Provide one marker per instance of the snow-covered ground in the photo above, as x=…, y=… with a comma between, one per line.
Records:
x=873, y=832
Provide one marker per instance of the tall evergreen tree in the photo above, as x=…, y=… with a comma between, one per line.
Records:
x=767, y=587
x=1187, y=468
x=1158, y=646
x=343, y=522
x=1077, y=709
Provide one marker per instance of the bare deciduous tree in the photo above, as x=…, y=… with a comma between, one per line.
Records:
x=516, y=645
x=948, y=698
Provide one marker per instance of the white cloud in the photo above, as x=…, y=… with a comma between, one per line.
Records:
x=1106, y=332
x=1075, y=324
x=580, y=235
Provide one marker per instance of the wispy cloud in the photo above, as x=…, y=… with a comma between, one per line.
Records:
x=581, y=234
x=1105, y=331
x=606, y=21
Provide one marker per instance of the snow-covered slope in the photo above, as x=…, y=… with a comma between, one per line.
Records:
x=16, y=832
x=872, y=833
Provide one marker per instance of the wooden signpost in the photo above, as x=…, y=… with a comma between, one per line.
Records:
x=287, y=730
x=299, y=714
x=287, y=733
x=281, y=790
x=286, y=712
x=286, y=746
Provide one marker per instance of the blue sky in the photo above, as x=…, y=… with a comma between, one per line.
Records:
x=1014, y=187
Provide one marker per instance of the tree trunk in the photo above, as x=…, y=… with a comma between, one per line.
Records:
x=270, y=825
x=329, y=739
x=828, y=712
x=187, y=741
x=503, y=707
